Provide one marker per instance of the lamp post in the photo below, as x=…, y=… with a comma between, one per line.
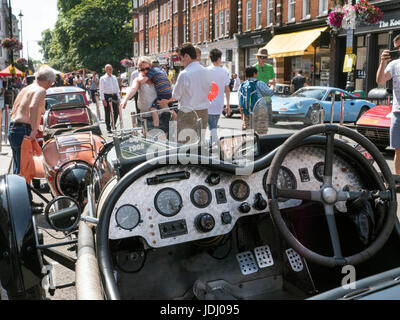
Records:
x=11, y=32
x=350, y=26
x=20, y=21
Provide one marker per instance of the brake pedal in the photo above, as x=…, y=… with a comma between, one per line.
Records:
x=264, y=256
x=247, y=263
x=294, y=260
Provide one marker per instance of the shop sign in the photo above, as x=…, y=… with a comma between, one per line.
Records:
x=390, y=20
x=361, y=74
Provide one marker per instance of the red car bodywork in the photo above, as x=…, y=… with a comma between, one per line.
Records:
x=375, y=125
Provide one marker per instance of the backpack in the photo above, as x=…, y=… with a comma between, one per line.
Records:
x=248, y=96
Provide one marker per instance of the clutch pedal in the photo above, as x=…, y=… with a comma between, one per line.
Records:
x=264, y=256
x=247, y=263
x=294, y=260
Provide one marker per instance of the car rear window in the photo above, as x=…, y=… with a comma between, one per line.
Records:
x=64, y=98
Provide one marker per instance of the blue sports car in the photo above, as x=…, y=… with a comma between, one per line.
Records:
x=306, y=104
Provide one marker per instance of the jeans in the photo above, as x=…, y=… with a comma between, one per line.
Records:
x=15, y=137
x=213, y=126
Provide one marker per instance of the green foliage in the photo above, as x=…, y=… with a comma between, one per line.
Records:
x=89, y=34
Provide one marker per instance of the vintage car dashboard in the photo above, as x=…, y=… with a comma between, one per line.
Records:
x=175, y=203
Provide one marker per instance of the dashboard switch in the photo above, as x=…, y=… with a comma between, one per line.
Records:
x=213, y=179
x=260, y=203
x=226, y=218
x=244, y=207
x=205, y=222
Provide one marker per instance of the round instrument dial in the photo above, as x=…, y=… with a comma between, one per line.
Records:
x=239, y=190
x=168, y=202
x=318, y=171
x=286, y=180
x=127, y=217
x=200, y=196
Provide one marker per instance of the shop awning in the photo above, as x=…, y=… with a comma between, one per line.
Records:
x=293, y=44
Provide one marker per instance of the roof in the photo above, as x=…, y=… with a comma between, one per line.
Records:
x=70, y=89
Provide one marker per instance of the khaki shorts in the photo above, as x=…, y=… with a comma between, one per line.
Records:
x=188, y=120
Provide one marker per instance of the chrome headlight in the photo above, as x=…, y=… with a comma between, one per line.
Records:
x=73, y=178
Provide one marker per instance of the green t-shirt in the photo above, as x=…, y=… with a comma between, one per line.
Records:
x=265, y=73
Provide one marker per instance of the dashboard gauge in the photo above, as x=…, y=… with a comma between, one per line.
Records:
x=127, y=217
x=318, y=171
x=168, y=202
x=286, y=180
x=239, y=190
x=200, y=196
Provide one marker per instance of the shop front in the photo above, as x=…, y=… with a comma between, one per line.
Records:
x=369, y=42
x=306, y=50
x=248, y=45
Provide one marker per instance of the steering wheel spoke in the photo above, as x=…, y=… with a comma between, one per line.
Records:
x=328, y=164
x=330, y=219
x=299, y=194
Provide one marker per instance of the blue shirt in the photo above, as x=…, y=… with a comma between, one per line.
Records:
x=262, y=88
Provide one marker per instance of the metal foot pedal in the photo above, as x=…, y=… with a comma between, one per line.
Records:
x=294, y=260
x=264, y=256
x=247, y=263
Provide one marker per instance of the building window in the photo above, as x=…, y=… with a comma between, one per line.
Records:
x=248, y=15
x=175, y=6
x=161, y=15
x=323, y=7
x=184, y=5
x=258, y=14
x=168, y=11
x=193, y=3
x=205, y=29
x=135, y=4
x=199, y=31
x=135, y=25
x=216, y=26
x=226, y=21
x=184, y=33
x=140, y=22
x=221, y=23
x=199, y=2
x=194, y=32
x=291, y=6
x=270, y=12
x=175, y=37
x=306, y=8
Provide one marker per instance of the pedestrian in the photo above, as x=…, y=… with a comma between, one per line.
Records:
x=94, y=86
x=250, y=92
x=221, y=77
x=235, y=83
x=27, y=111
x=198, y=54
x=387, y=71
x=109, y=89
x=265, y=71
x=298, y=81
x=191, y=91
x=134, y=75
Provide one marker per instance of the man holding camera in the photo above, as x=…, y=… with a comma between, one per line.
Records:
x=387, y=71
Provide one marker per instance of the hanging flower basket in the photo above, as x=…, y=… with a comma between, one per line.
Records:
x=367, y=13
x=126, y=63
x=22, y=61
x=10, y=43
x=335, y=19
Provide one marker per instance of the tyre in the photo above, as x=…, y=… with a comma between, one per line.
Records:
x=362, y=111
x=313, y=116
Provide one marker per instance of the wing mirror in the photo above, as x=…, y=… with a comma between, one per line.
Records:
x=63, y=213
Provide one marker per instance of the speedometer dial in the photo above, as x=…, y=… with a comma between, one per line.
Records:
x=239, y=190
x=168, y=202
x=286, y=180
x=127, y=217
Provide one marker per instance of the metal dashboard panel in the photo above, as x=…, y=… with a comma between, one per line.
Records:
x=141, y=195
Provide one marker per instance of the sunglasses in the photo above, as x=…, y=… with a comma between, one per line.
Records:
x=263, y=58
x=144, y=69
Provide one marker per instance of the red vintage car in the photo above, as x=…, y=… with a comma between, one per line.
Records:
x=375, y=123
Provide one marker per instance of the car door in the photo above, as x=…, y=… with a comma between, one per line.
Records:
x=336, y=94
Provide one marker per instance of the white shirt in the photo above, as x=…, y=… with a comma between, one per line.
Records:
x=192, y=88
x=394, y=69
x=134, y=75
x=221, y=77
x=109, y=85
x=236, y=84
x=146, y=96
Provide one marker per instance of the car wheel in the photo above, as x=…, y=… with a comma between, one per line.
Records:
x=362, y=111
x=313, y=116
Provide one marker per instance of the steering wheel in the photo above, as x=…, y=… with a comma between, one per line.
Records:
x=328, y=196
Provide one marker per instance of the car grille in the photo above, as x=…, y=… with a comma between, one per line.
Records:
x=376, y=135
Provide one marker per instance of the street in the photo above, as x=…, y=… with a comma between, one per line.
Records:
x=64, y=275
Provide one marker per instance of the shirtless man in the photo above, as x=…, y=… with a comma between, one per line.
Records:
x=26, y=112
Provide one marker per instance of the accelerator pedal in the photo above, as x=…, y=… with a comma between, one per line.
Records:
x=247, y=262
x=294, y=260
x=264, y=256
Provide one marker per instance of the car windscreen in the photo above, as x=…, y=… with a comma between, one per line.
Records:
x=62, y=98
x=310, y=93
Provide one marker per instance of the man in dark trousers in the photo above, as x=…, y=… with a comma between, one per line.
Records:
x=299, y=81
x=109, y=89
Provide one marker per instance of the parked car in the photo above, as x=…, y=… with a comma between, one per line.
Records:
x=306, y=104
x=375, y=123
x=187, y=225
x=233, y=103
x=63, y=95
x=282, y=89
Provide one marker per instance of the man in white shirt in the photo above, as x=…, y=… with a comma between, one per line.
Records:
x=236, y=82
x=109, y=89
x=221, y=77
x=191, y=90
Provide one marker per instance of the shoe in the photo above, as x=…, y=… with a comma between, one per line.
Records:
x=109, y=131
